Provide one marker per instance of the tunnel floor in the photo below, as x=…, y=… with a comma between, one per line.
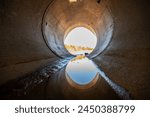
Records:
x=50, y=82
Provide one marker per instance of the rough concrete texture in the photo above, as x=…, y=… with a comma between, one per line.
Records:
x=61, y=17
x=21, y=88
x=21, y=41
x=125, y=60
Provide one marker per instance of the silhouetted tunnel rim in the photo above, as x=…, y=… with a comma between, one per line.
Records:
x=96, y=51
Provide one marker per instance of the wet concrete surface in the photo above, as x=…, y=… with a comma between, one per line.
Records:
x=50, y=82
x=22, y=87
x=131, y=72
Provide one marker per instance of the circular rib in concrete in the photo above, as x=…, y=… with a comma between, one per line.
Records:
x=60, y=17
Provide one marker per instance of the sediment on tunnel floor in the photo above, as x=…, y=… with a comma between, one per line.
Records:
x=50, y=82
x=20, y=88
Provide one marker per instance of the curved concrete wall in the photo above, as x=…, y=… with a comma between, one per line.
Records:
x=62, y=17
x=125, y=60
x=22, y=48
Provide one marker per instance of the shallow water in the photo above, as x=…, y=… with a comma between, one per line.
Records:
x=81, y=70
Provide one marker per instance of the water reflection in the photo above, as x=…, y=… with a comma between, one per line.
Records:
x=81, y=71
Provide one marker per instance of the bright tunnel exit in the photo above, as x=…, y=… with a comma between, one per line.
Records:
x=80, y=41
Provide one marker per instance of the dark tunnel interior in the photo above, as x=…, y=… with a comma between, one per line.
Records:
x=34, y=60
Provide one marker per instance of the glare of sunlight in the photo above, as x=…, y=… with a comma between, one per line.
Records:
x=80, y=40
x=72, y=1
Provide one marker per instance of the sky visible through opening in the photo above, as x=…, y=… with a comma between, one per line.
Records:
x=81, y=70
x=80, y=40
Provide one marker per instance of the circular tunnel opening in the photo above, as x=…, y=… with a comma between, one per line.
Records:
x=80, y=41
x=60, y=17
